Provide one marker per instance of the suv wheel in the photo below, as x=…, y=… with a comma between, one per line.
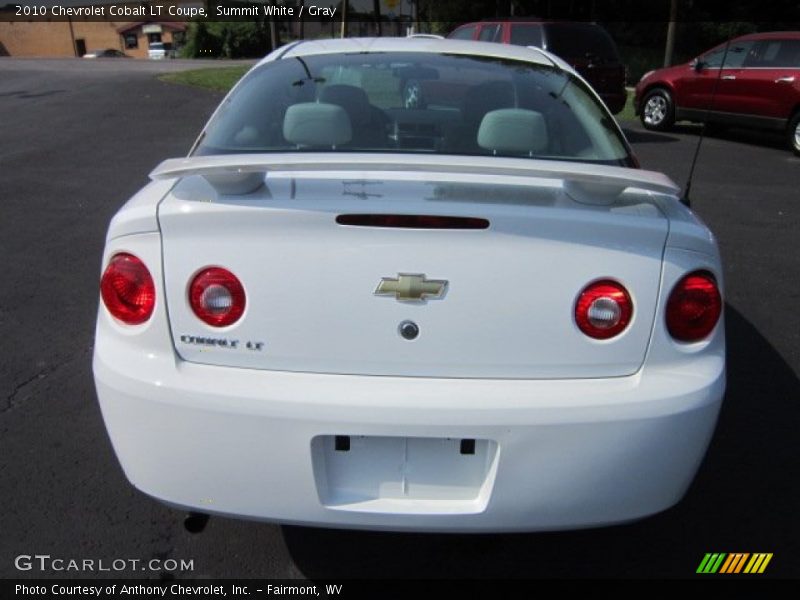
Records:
x=793, y=133
x=658, y=111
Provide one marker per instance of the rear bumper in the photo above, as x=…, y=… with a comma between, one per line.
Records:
x=552, y=454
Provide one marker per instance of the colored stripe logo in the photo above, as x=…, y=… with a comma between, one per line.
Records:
x=733, y=563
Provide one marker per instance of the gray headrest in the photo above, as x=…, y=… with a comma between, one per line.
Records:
x=316, y=124
x=513, y=130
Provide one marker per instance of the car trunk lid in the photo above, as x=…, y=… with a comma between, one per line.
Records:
x=326, y=292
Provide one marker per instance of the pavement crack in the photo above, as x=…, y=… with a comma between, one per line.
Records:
x=11, y=399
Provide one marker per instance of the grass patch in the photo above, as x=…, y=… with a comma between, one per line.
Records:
x=627, y=113
x=218, y=79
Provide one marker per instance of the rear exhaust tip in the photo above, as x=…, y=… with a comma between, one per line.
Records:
x=196, y=522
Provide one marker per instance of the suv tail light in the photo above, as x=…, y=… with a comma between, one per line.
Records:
x=603, y=310
x=694, y=307
x=217, y=297
x=127, y=289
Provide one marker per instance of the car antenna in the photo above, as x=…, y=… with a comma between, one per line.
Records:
x=685, y=198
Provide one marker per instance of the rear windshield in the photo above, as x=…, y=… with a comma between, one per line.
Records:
x=414, y=102
x=464, y=33
x=526, y=35
x=580, y=41
x=772, y=54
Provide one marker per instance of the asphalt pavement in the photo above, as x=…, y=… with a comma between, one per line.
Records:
x=79, y=137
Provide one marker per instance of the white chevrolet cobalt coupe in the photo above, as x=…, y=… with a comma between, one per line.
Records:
x=411, y=284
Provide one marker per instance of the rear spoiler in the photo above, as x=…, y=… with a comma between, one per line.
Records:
x=244, y=173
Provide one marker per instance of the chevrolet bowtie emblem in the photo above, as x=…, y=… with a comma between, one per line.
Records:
x=411, y=288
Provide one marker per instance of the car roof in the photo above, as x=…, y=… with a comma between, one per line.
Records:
x=418, y=44
x=770, y=35
x=523, y=20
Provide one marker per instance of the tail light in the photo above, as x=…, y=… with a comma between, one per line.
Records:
x=127, y=289
x=694, y=307
x=217, y=296
x=603, y=310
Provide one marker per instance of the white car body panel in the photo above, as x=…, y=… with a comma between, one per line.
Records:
x=568, y=432
x=511, y=291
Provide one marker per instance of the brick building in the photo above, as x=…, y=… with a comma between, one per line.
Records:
x=57, y=37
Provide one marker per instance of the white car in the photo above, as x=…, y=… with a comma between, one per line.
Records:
x=342, y=311
x=157, y=50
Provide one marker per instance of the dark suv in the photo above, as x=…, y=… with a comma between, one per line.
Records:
x=586, y=46
x=758, y=86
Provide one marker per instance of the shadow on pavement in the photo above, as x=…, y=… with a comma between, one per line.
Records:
x=744, y=499
x=753, y=137
x=638, y=136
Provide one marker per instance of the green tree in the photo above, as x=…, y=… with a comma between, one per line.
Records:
x=240, y=39
x=200, y=42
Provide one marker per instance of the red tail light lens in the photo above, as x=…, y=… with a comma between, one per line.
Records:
x=127, y=289
x=694, y=307
x=603, y=310
x=217, y=297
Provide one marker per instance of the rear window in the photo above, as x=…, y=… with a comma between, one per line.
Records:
x=464, y=33
x=416, y=103
x=526, y=35
x=774, y=54
x=580, y=41
x=157, y=46
x=788, y=55
x=491, y=33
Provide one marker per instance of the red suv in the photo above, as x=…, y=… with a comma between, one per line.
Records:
x=586, y=46
x=758, y=86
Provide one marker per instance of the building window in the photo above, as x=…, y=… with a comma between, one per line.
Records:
x=153, y=37
x=179, y=37
x=131, y=40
